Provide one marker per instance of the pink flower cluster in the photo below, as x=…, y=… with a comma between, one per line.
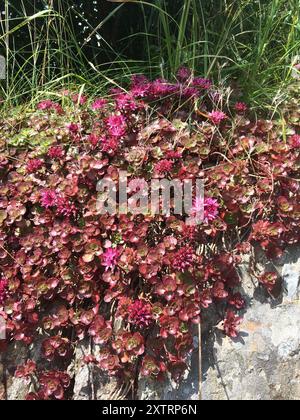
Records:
x=164, y=166
x=110, y=258
x=211, y=210
x=183, y=259
x=56, y=152
x=49, y=105
x=217, y=117
x=65, y=207
x=184, y=74
x=117, y=125
x=241, y=107
x=295, y=141
x=208, y=208
x=125, y=102
x=140, y=314
x=50, y=198
x=99, y=104
x=34, y=165
x=202, y=83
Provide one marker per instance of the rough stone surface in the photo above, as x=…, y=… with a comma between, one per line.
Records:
x=264, y=364
x=11, y=387
x=90, y=383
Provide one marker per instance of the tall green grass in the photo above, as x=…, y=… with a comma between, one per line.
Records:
x=43, y=52
x=252, y=42
x=249, y=43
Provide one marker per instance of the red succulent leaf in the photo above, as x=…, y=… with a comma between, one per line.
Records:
x=231, y=323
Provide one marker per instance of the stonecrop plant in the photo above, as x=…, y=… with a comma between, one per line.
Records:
x=136, y=285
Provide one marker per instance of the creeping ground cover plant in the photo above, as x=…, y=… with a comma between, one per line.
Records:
x=135, y=285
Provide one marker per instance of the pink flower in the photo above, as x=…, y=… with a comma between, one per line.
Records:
x=109, y=145
x=164, y=166
x=173, y=155
x=3, y=291
x=94, y=139
x=99, y=104
x=183, y=259
x=125, y=102
x=116, y=91
x=183, y=74
x=34, y=165
x=139, y=80
x=208, y=207
x=139, y=91
x=217, y=117
x=109, y=258
x=202, y=83
x=211, y=210
x=49, y=198
x=45, y=105
x=65, y=207
x=117, y=125
x=140, y=314
x=139, y=86
x=50, y=105
x=56, y=152
x=240, y=107
x=294, y=141
x=161, y=87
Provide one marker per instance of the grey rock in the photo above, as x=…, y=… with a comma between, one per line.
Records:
x=17, y=389
x=263, y=364
x=89, y=382
x=13, y=388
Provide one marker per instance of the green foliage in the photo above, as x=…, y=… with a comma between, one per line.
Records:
x=252, y=42
x=92, y=44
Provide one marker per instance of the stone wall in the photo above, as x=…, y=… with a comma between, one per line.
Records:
x=262, y=364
